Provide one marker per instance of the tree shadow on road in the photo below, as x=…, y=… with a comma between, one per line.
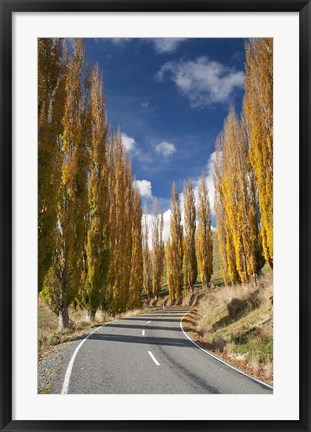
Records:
x=177, y=342
x=151, y=319
x=143, y=327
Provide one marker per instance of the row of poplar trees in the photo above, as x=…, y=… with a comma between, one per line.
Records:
x=243, y=173
x=189, y=249
x=89, y=209
x=153, y=257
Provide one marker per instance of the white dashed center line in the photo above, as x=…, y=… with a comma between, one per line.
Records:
x=153, y=358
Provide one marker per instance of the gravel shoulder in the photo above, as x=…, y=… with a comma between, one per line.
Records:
x=52, y=365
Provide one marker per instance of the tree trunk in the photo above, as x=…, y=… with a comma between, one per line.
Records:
x=63, y=318
x=91, y=315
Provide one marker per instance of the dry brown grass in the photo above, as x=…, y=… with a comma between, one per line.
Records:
x=49, y=335
x=236, y=322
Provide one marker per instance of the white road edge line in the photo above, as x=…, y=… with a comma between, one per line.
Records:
x=153, y=358
x=143, y=332
x=217, y=358
x=72, y=360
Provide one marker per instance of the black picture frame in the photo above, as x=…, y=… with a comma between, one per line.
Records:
x=7, y=10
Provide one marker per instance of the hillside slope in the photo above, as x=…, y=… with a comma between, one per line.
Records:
x=236, y=323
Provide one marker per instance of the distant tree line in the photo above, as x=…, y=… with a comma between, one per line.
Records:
x=189, y=249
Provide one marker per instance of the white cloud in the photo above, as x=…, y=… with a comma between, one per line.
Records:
x=166, y=225
x=166, y=45
x=160, y=45
x=144, y=105
x=132, y=148
x=120, y=41
x=144, y=187
x=203, y=81
x=165, y=149
x=128, y=142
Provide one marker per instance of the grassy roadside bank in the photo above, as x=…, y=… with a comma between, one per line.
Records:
x=236, y=323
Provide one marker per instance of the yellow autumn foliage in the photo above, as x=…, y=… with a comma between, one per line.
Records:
x=190, y=260
x=258, y=113
x=204, y=234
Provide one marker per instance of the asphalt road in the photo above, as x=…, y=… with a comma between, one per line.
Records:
x=150, y=354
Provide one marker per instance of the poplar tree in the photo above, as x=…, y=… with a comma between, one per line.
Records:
x=136, y=277
x=147, y=264
x=97, y=246
x=190, y=259
x=121, y=216
x=175, y=248
x=63, y=280
x=204, y=234
x=235, y=189
x=169, y=270
x=226, y=248
x=157, y=249
x=239, y=202
x=258, y=112
x=51, y=101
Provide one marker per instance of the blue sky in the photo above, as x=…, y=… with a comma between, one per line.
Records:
x=169, y=97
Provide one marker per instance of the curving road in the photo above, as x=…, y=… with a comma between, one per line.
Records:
x=149, y=354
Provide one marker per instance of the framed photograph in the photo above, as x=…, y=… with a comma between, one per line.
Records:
x=155, y=215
